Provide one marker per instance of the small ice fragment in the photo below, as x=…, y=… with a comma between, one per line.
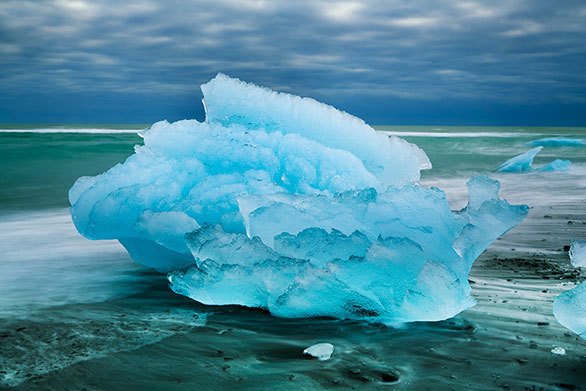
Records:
x=557, y=142
x=321, y=351
x=578, y=253
x=558, y=350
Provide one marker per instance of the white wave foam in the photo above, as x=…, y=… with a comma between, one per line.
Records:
x=44, y=261
x=72, y=130
x=457, y=134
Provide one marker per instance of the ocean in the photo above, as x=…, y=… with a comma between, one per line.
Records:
x=80, y=314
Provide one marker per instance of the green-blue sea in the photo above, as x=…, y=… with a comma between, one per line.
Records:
x=77, y=314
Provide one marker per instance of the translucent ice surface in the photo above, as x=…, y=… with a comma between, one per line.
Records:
x=578, y=253
x=556, y=165
x=520, y=163
x=395, y=256
x=569, y=309
x=284, y=203
x=557, y=142
x=524, y=161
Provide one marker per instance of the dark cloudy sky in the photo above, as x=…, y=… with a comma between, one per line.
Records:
x=509, y=62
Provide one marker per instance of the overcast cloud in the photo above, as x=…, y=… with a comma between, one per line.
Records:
x=396, y=62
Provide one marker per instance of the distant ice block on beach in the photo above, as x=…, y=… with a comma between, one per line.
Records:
x=557, y=142
x=578, y=252
x=287, y=204
x=524, y=163
x=570, y=307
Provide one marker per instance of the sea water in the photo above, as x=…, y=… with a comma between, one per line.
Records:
x=51, y=277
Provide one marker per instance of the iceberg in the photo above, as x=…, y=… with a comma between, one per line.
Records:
x=524, y=162
x=287, y=204
x=557, y=142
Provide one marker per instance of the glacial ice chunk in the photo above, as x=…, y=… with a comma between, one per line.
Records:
x=569, y=309
x=578, y=252
x=556, y=165
x=557, y=142
x=284, y=203
x=524, y=161
x=520, y=163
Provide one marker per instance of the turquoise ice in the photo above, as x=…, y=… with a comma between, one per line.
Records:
x=557, y=142
x=578, y=252
x=524, y=163
x=569, y=308
x=284, y=203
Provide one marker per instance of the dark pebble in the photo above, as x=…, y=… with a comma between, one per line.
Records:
x=389, y=377
x=566, y=386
